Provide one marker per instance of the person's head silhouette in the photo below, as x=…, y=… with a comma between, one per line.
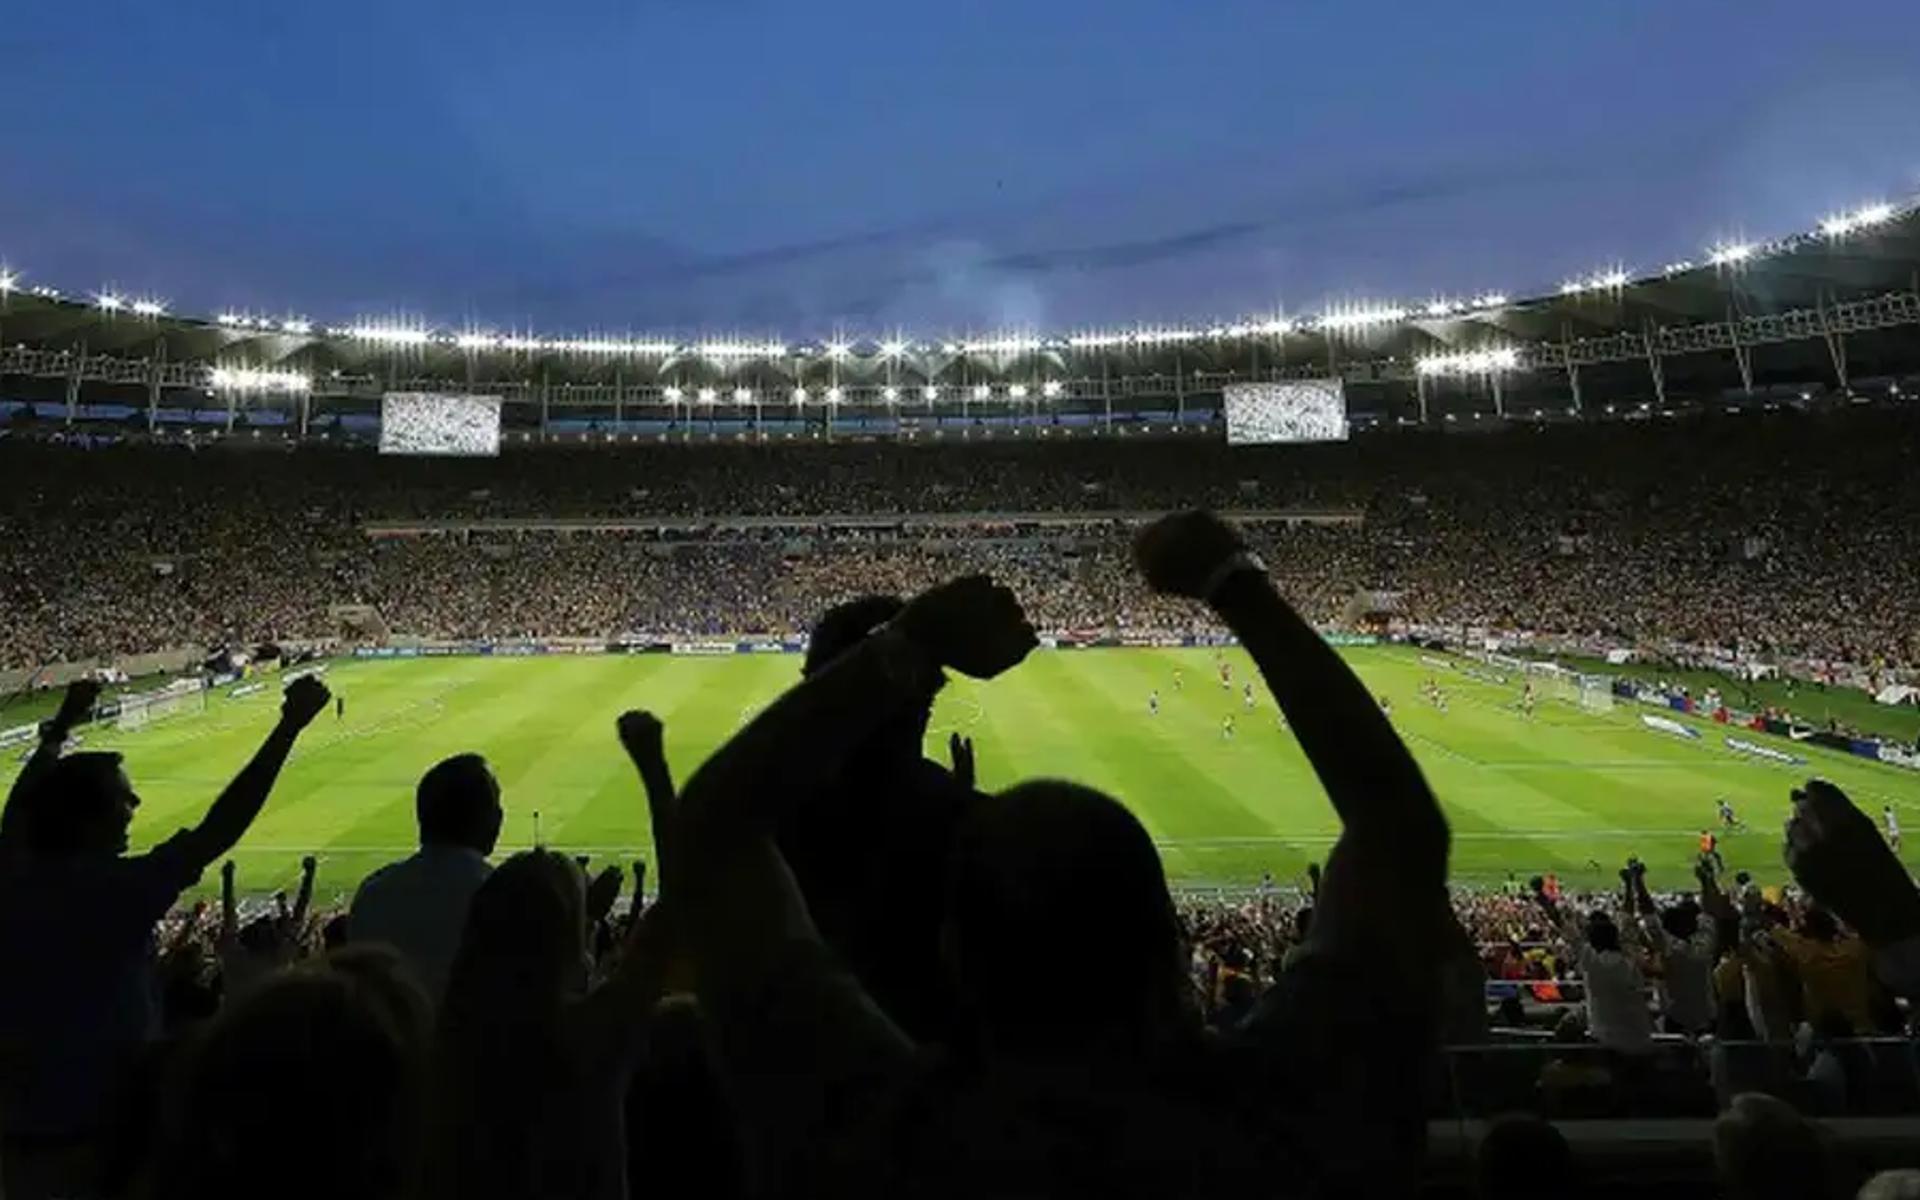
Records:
x=458, y=804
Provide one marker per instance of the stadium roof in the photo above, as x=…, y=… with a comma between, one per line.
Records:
x=1854, y=273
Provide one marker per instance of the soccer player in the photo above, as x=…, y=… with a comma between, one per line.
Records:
x=1153, y=703
x=1246, y=695
x=339, y=708
x=1526, y=700
x=1179, y=679
x=1226, y=675
x=1386, y=705
x=1727, y=818
x=1893, y=827
x=1226, y=728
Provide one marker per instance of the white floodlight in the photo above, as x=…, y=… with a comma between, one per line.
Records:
x=476, y=341
x=673, y=394
x=837, y=350
x=893, y=349
x=246, y=379
x=298, y=326
x=930, y=392
x=1050, y=389
x=1730, y=253
x=1003, y=345
x=743, y=396
x=708, y=395
x=7, y=280
x=799, y=395
x=1018, y=391
x=1346, y=319
x=391, y=335
x=1472, y=362
x=1860, y=218
x=108, y=302
x=148, y=308
x=834, y=395
x=891, y=395
x=981, y=391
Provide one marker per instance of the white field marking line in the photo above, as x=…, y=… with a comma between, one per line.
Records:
x=935, y=733
x=1458, y=836
x=1173, y=843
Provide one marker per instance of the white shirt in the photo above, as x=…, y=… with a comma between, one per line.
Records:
x=1617, y=1013
x=1687, y=991
x=419, y=907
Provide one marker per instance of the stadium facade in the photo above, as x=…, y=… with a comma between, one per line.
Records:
x=1818, y=316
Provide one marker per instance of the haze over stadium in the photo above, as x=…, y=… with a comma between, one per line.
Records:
x=1143, y=600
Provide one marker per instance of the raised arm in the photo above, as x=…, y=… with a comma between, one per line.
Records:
x=1837, y=855
x=303, y=899
x=800, y=1032
x=1373, y=782
x=243, y=798
x=971, y=625
x=75, y=707
x=229, y=908
x=1385, y=877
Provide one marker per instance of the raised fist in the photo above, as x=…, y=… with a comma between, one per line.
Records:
x=304, y=700
x=77, y=705
x=1837, y=855
x=971, y=624
x=642, y=734
x=1179, y=554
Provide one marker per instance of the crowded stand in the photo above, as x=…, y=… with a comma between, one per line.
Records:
x=780, y=1009
x=1776, y=535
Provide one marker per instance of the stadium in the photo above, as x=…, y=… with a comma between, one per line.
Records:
x=1620, y=562
x=566, y=544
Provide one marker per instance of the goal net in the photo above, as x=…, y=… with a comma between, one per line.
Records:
x=180, y=697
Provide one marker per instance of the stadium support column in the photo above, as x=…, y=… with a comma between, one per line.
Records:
x=306, y=410
x=1499, y=396
x=74, y=370
x=1420, y=390
x=1742, y=353
x=158, y=365
x=616, y=401
x=1655, y=367
x=1573, y=368
x=1836, y=345
x=1106, y=390
x=546, y=402
x=1179, y=394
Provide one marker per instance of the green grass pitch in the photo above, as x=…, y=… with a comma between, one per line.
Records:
x=1555, y=793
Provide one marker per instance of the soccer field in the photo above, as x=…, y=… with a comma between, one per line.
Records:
x=1567, y=791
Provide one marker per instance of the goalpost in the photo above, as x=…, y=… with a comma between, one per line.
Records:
x=179, y=697
x=1588, y=693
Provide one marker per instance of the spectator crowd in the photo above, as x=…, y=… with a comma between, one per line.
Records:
x=1785, y=534
x=850, y=972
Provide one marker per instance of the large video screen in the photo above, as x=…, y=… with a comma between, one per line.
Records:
x=428, y=423
x=1300, y=410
